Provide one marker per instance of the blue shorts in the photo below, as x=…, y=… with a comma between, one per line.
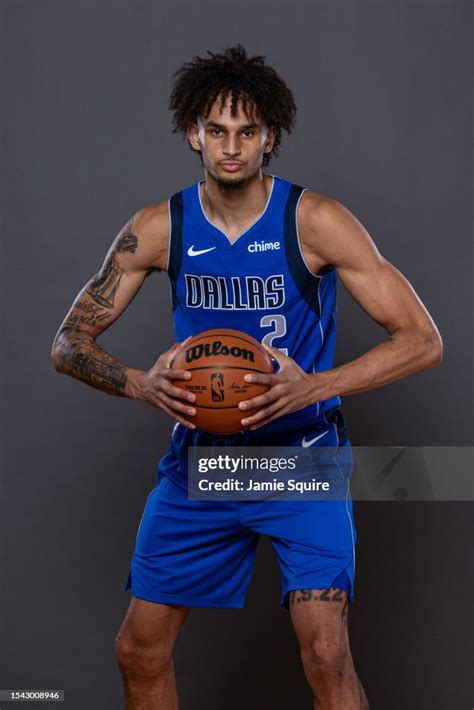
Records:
x=201, y=553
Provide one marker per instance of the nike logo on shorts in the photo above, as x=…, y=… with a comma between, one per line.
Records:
x=305, y=443
x=194, y=252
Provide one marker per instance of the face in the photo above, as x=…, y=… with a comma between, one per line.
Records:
x=232, y=147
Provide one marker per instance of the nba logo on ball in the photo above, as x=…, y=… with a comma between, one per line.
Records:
x=217, y=387
x=218, y=361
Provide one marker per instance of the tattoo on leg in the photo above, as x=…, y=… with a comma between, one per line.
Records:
x=323, y=595
x=338, y=595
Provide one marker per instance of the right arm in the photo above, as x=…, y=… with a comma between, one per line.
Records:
x=140, y=248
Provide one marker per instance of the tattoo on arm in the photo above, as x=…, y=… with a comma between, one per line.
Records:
x=103, y=286
x=81, y=357
x=79, y=354
x=86, y=313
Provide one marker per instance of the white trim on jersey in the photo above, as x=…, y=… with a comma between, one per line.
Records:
x=249, y=228
x=347, y=497
x=317, y=276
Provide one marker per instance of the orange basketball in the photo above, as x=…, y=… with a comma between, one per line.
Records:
x=218, y=360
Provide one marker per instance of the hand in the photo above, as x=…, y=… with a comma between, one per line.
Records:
x=291, y=389
x=157, y=388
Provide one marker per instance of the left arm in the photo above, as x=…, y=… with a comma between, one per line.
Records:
x=332, y=235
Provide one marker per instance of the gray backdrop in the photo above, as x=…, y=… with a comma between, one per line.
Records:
x=385, y=105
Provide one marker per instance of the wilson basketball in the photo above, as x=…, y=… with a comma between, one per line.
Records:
x=218, y=360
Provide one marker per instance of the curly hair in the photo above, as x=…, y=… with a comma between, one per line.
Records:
x=199, y=83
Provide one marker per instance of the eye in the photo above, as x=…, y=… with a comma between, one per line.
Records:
x=215, y=131
x=249, y=133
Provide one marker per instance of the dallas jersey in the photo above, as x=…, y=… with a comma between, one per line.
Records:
x=259, y=284
x=201, y=553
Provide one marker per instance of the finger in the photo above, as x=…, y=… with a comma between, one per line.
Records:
x=277, y=354
x=262, y=378
x=264, y=412
x=180, y=343
x=267, y=420
x=172, y=414
x=169, y=355
x=172, y=374
x=177, y=406
x=166, y=358
x=275, y=415
x=177, y=392
x=262, y=399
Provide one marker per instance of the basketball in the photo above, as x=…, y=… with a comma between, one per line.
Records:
x=218, y=361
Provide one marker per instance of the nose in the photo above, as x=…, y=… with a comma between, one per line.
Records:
x=231, y=146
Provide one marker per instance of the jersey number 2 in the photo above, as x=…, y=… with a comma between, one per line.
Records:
x=278, y=321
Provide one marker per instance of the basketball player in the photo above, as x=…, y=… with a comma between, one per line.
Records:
x=248, y=250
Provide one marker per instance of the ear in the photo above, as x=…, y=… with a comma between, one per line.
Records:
x=270, y=140
x=193, y=136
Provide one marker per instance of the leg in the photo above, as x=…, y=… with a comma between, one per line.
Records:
x=183, y=547
x=320, y=618
x=143, y=649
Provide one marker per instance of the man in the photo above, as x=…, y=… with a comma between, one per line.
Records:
x=250, y=251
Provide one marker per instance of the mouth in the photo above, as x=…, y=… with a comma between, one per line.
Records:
x=231, y=166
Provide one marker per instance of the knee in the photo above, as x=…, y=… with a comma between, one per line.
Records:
x=137, y=659
x=328, y=656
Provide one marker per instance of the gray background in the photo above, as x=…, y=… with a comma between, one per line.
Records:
x=385, y=105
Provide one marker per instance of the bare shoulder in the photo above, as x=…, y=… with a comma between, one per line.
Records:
x=330, y=233
x=319, y=213
x=150, y=227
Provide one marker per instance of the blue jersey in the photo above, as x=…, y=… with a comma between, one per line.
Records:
x=201, y=553
x=259, y=284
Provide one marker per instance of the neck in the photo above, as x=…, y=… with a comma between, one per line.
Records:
x=235, y=205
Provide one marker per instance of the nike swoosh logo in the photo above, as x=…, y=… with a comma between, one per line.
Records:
x=194, y=252
x=305, y=443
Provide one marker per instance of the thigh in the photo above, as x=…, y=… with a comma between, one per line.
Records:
x=191, y=553
x=314, y=539
x=148, y=624
x=314, y=542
